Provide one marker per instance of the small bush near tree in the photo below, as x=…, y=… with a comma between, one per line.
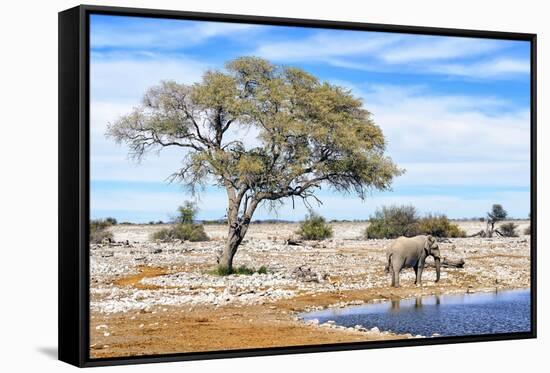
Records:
x=509, y=229
x=314, y=227
x=99, y=230
x=185, y=228
x=184, y=232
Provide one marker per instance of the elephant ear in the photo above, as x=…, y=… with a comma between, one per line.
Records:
x=428, y=244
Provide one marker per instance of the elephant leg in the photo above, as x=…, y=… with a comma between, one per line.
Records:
x=392, y=276
x=419, y=270
x=416, y=274
x=395, y=276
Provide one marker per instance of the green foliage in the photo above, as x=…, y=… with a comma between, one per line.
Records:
x=241, y=270
x=497, y=213
x=184, y=229
x=439, y=226
x=396, y=221
x=314, y=227
x=186, y=213
x=111, y=221
x=508, y=229
x=99, y=230
x=392, y=222
x=184, y=232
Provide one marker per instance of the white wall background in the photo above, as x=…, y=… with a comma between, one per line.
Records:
x=28, y=191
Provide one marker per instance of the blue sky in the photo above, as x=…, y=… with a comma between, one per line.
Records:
x=455, y=112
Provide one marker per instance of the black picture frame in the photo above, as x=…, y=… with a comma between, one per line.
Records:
x=74, y=208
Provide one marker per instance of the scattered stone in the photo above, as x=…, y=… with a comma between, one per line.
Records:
x=305, y=274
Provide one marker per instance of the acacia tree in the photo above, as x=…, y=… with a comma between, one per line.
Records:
x=309, y=134
x=496, y=214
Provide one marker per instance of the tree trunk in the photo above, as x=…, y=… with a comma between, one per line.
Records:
x=234, y=239
x=238, y=226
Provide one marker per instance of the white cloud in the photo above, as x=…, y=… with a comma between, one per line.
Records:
x=325, y=45
x=126, y=79
x=424, y=48
x=473, y=173
x=380, y=52
x=165, y=35
x=495, y=68
x=424, y=127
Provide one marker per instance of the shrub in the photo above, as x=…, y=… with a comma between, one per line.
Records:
x=396, y=221
x=99, y=230
x=508, y=229
x=184, y=232
x=241, y=270
x=527, y=231
x=184, y=228
x=439, y=226
x=314, y=227
x=392, y=222
x=111, y=221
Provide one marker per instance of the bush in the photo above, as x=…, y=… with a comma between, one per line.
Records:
x=393, y=222
x=527, y=231
x=184, y=228
x=184, y=232
x=508, y=229
x=241, y=270
x=439, y=226
x=396, y=221
x=314, y=227
x=99, y=230
x=111, y=221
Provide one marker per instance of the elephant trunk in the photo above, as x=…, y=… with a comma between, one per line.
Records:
x=437, y=268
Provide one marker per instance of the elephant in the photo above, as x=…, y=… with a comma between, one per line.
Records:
x=407, y=252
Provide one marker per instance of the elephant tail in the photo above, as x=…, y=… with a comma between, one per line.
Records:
x=388, y=262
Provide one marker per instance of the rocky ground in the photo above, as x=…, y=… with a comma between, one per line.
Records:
x=158, y=297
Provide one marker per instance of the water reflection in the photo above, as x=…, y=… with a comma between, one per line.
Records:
x=459, y=314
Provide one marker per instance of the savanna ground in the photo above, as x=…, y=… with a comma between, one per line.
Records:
x=158, y=297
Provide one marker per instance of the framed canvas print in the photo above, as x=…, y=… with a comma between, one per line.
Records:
x=234, y=186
